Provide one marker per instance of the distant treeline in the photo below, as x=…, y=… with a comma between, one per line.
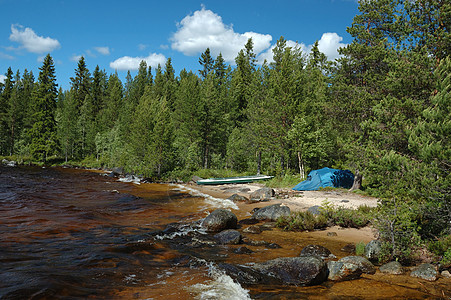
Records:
x=382, y=108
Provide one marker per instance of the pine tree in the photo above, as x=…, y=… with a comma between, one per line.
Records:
x=43, y=132
x=5, y=98
x=207, y=63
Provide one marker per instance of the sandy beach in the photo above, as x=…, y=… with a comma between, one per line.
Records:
x=298, y=201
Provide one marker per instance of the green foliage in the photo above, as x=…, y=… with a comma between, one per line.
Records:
x=284, y=181
x=302, y=221
x=360, y=248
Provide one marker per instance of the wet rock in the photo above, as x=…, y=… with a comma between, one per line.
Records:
x=333, y=233
x=340, y=271
x=247, y=275
x=425, y=271
x=248, y=221
x=349, y=248
x=117, y=171
x=220, y=219
x=446, y=274
x=230, y=236
x=393, y=268
x=238, y=198
x=263, y=194
x=252, y=229
x=373, y=250
x=9, y=163
x=316, y=250
x=364, y=264
x=272, y=212
x=314, y=210
x=301, y=271
x=243, y=250
x=273, y=246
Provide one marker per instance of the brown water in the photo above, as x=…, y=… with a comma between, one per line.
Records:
x=74, y=234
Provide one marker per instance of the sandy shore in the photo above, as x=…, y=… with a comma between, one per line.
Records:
x=296, y=200
x=299, y=201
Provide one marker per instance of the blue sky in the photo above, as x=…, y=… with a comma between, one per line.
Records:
x=117, y=35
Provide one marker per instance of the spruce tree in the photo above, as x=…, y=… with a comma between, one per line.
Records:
x=43, y=132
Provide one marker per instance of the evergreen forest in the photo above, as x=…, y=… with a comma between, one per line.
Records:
x=381, y=110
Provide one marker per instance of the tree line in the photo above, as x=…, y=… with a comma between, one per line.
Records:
x=381, y=110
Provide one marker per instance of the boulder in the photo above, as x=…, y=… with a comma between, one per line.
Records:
x=317, y=250
x=229, y=236
x=238, y=198
x=425, y=271
x=300, y=271
x=340, y=271
x=393, y=268
x=272, y=212
x=373, y=250
x=220, y=219
x=117, y=171
x=364, y=264
x=349, y=248
x=263, y=194
x=247, y=275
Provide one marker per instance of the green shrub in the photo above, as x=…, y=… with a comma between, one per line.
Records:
x=360, y=248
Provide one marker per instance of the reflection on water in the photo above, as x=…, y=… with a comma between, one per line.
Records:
x=74, y=234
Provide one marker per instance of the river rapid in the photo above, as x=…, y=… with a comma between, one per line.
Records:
x=77, y=234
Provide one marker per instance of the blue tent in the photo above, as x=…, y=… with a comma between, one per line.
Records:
x=325, y=177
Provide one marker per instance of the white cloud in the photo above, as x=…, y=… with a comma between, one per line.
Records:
x=31, y=41
x=142, y=47
x=2, y=78
x=132, y=63
x=329, y=44
x=205, y=29
x=6, y=56
x=103, y=50
x=75, y=57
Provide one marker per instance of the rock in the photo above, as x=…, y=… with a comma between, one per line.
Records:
x=248, y=221
x=316, y=250
x=229, y=236
x=446, y=274
x=373, y=250
x=393, y=268
x=332, y=233
x=340, y=271
x=238, y=198
x=273, y=246
x=9, y=163
x=117, y=171
x=247, y=275
x=272, y=212
x=252, y=229
x=263, y=194
x=314, y=210
x=364, y=264
x=243, y=250
x=349, y=248
x=220, y=219
x=425, y=271
x=300, y=271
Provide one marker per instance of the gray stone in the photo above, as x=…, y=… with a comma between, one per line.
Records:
x=314, y=210
x=446, y=274
x=238, y=198
x=373, y=250
x=272, y=212
x=230, y=236
x=316, y=250
x=364, y=264
x=349, y=248
x=393, y=268
x=263, y=194
x=220, y=219
x=300, y=271
x=340, y=271
x=425, y=271
x=252, y=229
x=243, y=250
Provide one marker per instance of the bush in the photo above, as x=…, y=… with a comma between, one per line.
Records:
x=360, y=248
x=302, y=221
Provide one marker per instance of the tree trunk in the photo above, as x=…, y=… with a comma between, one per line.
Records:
x=301, y=166
x=357, y=181
x=259, y=162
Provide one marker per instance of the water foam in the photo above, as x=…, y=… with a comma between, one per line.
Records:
x=212, y=201
x=220, y=287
